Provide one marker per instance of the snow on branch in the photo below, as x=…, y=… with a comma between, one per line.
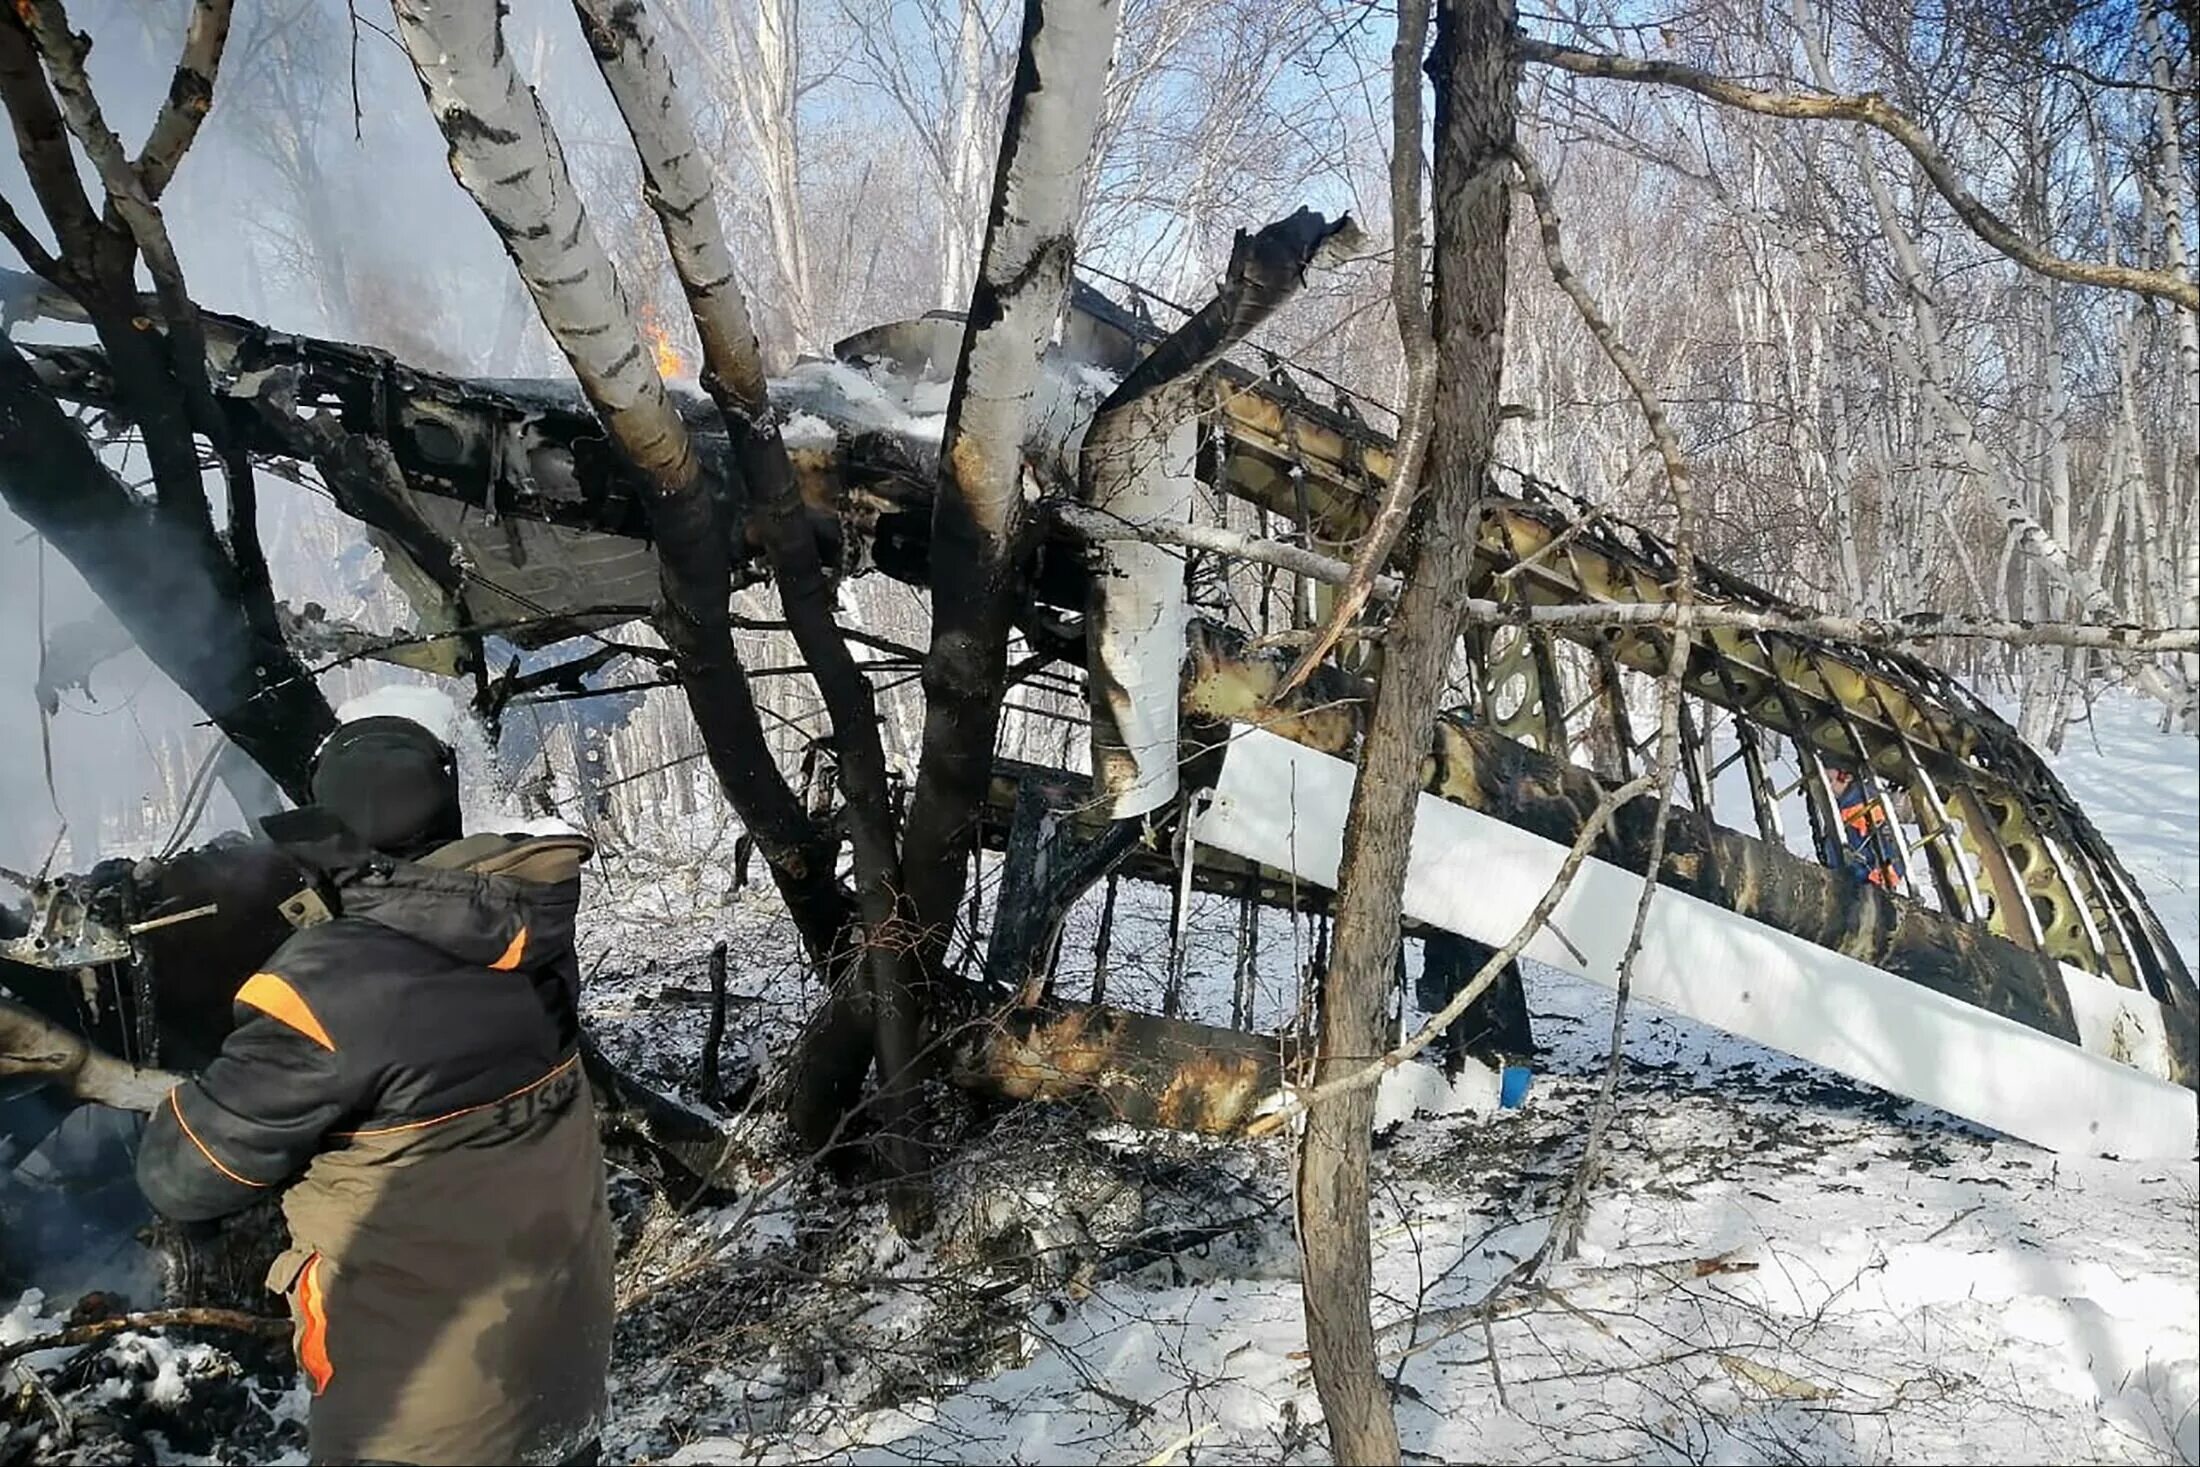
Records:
x=1872, y=111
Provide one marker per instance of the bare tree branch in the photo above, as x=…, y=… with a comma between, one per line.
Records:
x=1566, y=1224
x=29, y=246
x=1297, y=1102
x=503, y=152
x=190, y=95
x=99, y=1329
x=135, y=203
x=679, y=190
x=1926, y=626
x=1873, y=111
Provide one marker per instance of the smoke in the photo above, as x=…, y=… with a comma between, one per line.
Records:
x=485, y=797
x=120, y=738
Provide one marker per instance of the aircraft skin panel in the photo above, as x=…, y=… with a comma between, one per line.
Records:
x=1284, y=805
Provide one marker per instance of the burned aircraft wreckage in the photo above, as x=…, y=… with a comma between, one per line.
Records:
x=2008, y=969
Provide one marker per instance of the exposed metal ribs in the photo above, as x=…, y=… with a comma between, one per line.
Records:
x=1979, y=830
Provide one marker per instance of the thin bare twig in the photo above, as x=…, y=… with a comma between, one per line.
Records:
x=1298, y=1102
x=1566, y=1224
x=1873, y=111
x=1888, y=631
x=1416, y=337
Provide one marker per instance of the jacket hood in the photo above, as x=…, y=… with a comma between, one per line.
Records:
x=501, y=901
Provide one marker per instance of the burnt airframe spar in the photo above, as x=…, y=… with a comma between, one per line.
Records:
x=2014, y=974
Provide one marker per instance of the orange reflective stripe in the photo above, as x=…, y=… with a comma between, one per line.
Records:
x=193, y=1137
x=274, y=997
x=512, y=954
x=313, y=1338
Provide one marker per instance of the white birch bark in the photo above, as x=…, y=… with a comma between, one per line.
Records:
x=1029, y=248
x=1142, y=617
x=1138, y=465
x=2181, y=479
x=678, y=185
x=505, y=154
x=757, y=63
x=962, y=211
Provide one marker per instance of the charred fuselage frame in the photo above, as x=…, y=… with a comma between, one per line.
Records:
x=513, y=484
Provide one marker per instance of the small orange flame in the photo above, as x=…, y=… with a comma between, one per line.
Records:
x=671, y=362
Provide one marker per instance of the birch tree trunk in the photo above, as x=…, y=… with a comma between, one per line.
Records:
x=1038, y=185
x=1476, y=79
x=766, y=80
x=505, y=155
x=961, y=221
x=2050, y=554
x=2177, y=192
x=625, y=43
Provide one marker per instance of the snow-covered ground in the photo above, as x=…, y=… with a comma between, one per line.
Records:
x=2142, y=788
x=1778, y=1264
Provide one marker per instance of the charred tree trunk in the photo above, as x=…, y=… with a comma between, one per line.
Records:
x=977, y=518
x=1474, y=75
x=166, y=580
x=628, y=51
x=197, y=600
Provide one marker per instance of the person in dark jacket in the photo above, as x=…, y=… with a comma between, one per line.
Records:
x=406, y=1065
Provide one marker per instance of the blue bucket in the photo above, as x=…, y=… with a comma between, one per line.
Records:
x=1512, y=1086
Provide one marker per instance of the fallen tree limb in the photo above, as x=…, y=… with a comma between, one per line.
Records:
x=265, y=1326
x=682, y=1150
x=1140, y=1069
x=34, y=1046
